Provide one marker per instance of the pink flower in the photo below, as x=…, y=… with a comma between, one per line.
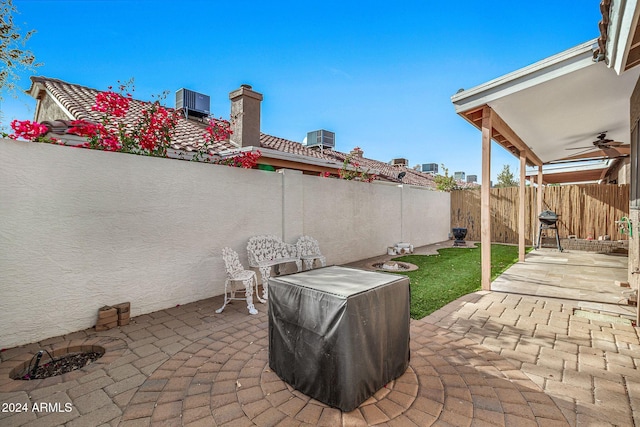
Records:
x=246, y=160
x=218, y=130
x=112, y=104
x=84, y=128
x=26, y=129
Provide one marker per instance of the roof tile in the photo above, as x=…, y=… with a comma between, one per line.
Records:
x=188, y=137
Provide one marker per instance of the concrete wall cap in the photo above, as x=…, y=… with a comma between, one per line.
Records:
x=245, y=90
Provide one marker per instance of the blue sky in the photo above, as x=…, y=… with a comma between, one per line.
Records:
x=378, y=74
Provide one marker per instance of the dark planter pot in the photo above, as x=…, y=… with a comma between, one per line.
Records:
x=459, y=233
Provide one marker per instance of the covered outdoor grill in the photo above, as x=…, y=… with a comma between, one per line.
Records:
x=548, y=221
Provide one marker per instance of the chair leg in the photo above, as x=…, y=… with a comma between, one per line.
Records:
x=308, y=264
x=226, y=300
x=265, y=272
x=248, y=286
x=254, y=282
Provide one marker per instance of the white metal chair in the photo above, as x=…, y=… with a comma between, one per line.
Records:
x=237, y=273
x=309, y=251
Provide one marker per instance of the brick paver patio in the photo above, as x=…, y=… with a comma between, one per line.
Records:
x=487, y=359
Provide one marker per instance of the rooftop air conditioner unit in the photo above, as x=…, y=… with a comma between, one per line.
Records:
x=430, y=168
x=399, y=162
x=320, y=138
x=193, y=103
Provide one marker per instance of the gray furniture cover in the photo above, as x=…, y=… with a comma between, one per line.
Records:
x=339, y=334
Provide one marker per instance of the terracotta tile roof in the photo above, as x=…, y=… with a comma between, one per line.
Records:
x=386, y=171
x=78, y=100
x=291, y=147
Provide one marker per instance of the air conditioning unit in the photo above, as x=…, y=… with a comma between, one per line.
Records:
x=320, y=138
x=459, y=176
x=399, y=162
x=430, y=168
x=193, y=103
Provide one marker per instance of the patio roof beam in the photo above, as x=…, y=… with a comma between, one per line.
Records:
x=504, y=129
x=503, y=134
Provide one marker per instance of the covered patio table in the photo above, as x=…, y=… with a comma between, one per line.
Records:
x=339, y=334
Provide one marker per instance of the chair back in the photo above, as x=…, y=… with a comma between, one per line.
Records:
x=231, y=261
x=307, y=245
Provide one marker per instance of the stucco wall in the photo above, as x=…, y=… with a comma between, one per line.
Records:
x=80, y=229
x=47, y=109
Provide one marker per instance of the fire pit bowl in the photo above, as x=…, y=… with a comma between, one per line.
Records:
x=459, y=233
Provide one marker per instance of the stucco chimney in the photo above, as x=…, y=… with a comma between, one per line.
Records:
x=245, y=116
x=357, y=152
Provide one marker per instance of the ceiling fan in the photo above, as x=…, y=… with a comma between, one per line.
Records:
x=601, y=147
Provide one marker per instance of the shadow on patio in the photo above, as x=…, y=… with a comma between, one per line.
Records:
x=587, y=279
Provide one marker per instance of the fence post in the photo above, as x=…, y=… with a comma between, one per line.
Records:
x=292, y=205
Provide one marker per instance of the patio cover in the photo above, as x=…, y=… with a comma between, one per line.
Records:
x=559, y=103
x=541, y=111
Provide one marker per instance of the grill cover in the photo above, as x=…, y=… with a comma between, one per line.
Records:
x=339, y=334
x=548, y=217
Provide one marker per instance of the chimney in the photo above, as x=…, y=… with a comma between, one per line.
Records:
x=245, y=116
x=357, y=152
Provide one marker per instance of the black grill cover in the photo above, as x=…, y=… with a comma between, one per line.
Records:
x=339, y=334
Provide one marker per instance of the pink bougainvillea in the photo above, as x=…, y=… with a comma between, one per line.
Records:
x=355, y=172
x=155, y=129
x=150, y=133
x=218, y=130
x=26, y=129
x=246, y=160
x=112, y=103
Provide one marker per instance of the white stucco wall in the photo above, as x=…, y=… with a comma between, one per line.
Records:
x=80, y=229
x=426, y=215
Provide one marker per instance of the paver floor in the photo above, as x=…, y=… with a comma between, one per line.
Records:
x=487, y=359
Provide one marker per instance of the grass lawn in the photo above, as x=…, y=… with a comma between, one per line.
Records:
x=454, y=272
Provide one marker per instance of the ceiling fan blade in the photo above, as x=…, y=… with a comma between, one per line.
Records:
x=619, y=151
x=611, y=143
x=584, y=150
x=580, y=148
x=584, y=155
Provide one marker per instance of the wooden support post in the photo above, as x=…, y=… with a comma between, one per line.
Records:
x=485, y=198
x=521, y=208
x=539, y=194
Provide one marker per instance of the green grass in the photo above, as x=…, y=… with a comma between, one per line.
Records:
x=452, y=273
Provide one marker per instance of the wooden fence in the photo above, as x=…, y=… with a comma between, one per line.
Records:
x=584, y=210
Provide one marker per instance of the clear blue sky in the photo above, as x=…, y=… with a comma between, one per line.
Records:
x=378, y=74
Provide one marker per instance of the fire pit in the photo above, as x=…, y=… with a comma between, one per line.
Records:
x=393, y=266
x=46, y=364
